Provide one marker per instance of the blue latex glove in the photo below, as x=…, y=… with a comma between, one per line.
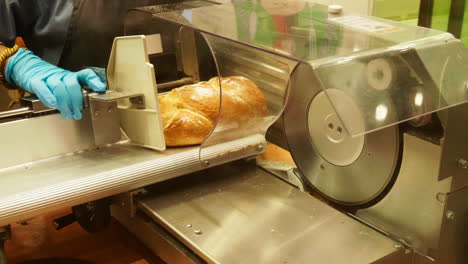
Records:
x=55, y=87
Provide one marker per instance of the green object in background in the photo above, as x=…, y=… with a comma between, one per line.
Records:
x=464, y=34
x=265, y=33
x=407, y=11
x=399, y=10
x=308, y=31
x=440, y=14
x=322, y=37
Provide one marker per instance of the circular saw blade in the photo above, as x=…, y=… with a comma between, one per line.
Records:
x=353, y=171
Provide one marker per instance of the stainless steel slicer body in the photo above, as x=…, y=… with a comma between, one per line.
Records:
x=372, y=111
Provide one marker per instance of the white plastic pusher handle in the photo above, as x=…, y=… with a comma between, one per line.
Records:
x=129, y=71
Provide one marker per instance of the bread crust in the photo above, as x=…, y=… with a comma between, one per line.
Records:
x=189, y=113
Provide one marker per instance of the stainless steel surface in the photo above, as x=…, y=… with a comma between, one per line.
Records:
x=360, y=182
x=400, y=74
x=232, y=150
x=285, y=171
x=327, y=132
x=29, y=105
x=156, y=238
x=188, y=53
x=34, y=104
x=266, y=66
x=113, y=96
x=43, y=186
x=28, y=140
x=455, y=147
x=270, y=73
x=126, y=201
x=453, y=241
x=15, y=112
x=276, y=134
x=274, y=96
x=249, y=216
x=106, y=121
x=411, y=210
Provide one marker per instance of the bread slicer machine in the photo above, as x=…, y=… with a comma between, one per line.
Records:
x=372, y=111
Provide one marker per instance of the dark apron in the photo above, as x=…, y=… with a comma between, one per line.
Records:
x=93, y=26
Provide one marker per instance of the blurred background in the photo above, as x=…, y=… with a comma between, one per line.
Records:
x=445, y=15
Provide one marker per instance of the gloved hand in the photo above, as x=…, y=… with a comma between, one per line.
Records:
x=55, y=87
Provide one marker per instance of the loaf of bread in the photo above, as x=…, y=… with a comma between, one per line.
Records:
x=190, y=112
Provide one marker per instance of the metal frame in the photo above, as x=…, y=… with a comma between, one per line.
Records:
x=244, y=217
x=90, y=175
x=425, y=13
x=457, y=12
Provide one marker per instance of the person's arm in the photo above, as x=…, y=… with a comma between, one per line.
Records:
x=15, y=15
x=54, y=86
x=43, y=25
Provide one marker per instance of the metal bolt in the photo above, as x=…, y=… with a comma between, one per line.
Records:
x=398, y=246
x=197, y=232
x=450, y=215
x=189, y=226
x=97, y=113
x=462, y=163
x=260, y=147
x=206, y=163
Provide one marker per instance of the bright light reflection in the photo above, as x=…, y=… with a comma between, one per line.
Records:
x=381, y=112
x=418, y=99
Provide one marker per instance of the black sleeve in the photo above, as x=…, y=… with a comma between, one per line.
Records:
x=43, y=24
x=13, y=19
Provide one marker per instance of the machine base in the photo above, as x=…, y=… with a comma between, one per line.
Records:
x=239, y=213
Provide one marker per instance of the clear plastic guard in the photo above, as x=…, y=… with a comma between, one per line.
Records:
x=253, y=89
x=398, y=85
x=233, y=94
x=392, y=72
